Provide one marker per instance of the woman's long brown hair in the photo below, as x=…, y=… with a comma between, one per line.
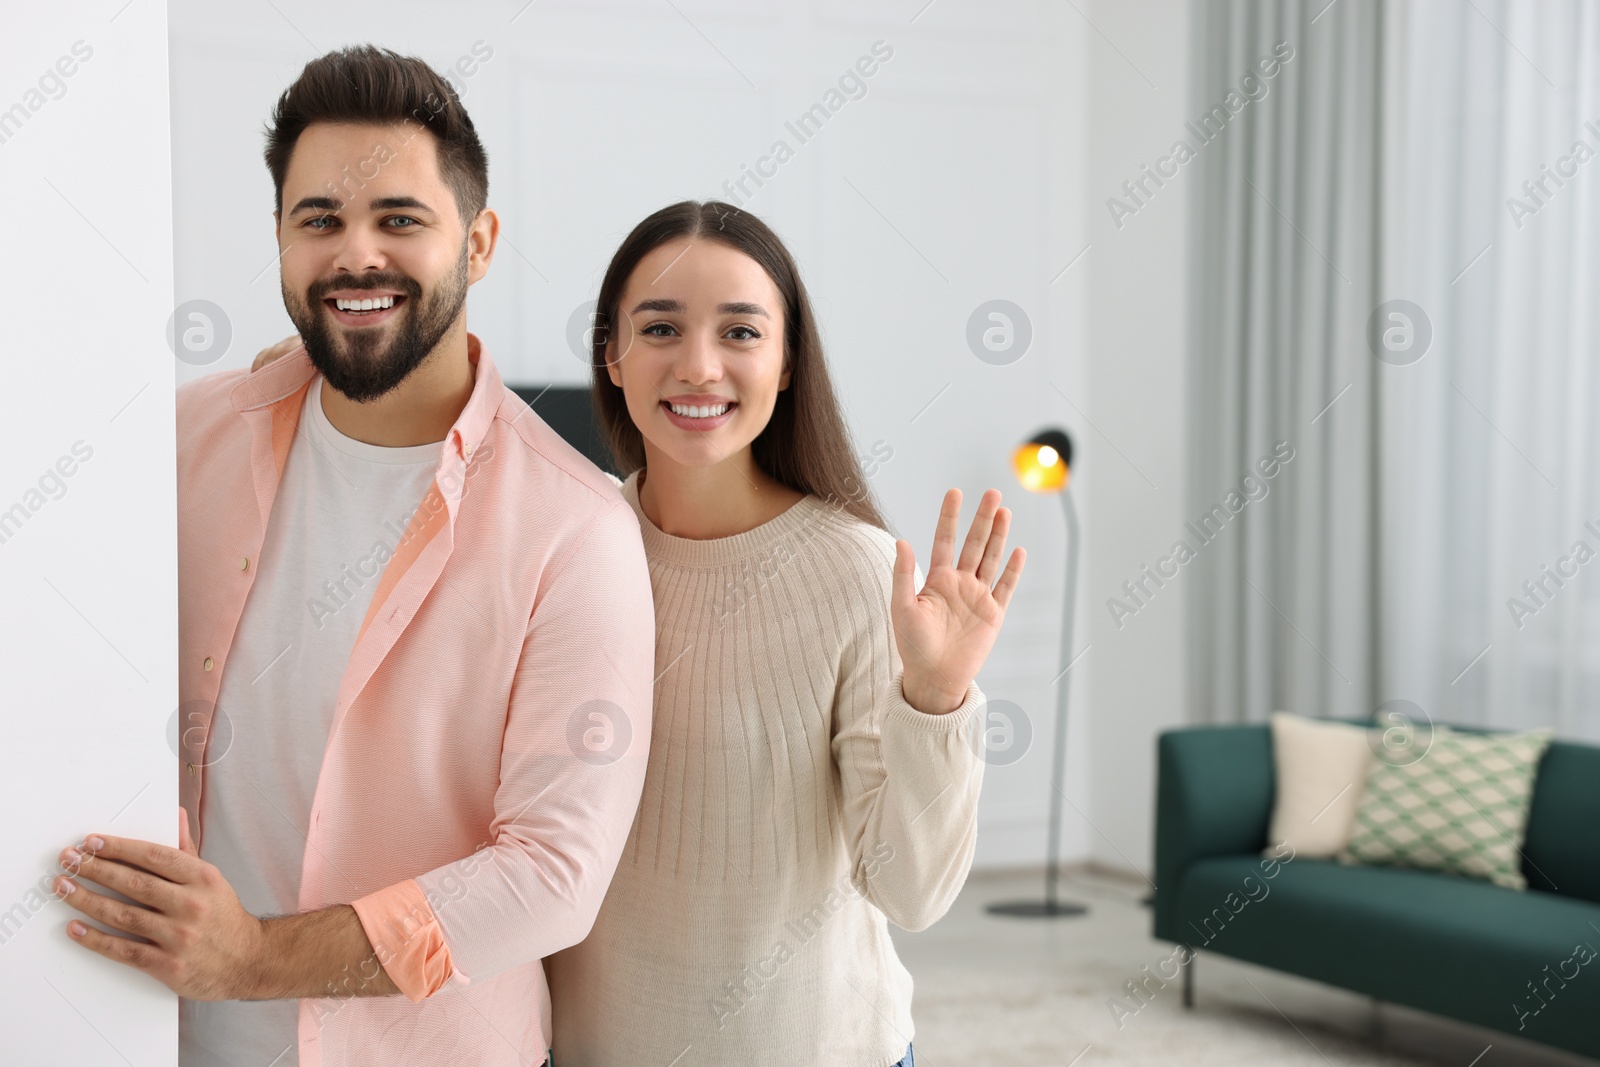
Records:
x=805, y=444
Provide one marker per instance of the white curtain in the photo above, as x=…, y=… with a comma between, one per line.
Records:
x=1284, y=273
x=1431, y=541
x=1490, y=472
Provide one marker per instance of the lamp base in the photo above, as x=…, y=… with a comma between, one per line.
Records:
x=1036, y=909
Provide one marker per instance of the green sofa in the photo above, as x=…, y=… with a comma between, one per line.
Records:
x=1499, y=958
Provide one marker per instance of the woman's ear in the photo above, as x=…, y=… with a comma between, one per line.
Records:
x=612, y=370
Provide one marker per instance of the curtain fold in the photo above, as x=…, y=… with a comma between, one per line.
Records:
x=1285, y=270
x=1436, y=538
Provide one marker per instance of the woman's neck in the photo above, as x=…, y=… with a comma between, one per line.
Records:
x=702, y=503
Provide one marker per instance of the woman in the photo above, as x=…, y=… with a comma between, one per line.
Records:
x=811, y=774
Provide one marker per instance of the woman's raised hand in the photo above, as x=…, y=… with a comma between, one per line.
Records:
x=945, y=632
x=277, y=351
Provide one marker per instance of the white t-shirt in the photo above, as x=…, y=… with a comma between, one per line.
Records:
x=341, y=509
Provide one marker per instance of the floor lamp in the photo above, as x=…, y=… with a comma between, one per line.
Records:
x=1044, y=465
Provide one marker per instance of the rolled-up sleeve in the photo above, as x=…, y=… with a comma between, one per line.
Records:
x=572, y=765
x=406, y=938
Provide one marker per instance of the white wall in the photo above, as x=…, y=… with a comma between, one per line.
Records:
x=88, y=558
x=957, y=179
x=1138, y=103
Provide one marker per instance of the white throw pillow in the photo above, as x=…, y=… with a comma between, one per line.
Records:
x=1321, y=769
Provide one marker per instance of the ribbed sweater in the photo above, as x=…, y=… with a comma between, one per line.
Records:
x=794, y=805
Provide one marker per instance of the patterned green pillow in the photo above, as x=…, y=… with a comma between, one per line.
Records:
x=1459, y=807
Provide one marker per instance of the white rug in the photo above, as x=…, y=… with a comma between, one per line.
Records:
x=975, y=1017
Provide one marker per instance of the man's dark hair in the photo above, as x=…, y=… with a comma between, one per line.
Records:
x=370, y=85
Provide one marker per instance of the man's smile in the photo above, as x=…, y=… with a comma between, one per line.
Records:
x=366, y=309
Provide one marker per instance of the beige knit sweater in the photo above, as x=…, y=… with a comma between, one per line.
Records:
x=795, y=804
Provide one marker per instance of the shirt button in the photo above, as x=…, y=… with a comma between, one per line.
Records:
x=245, y=565
x=192, y=772
x=208, y=664
x=469, y=451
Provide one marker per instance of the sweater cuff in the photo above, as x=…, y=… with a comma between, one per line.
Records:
x=406, y=938
x=933, y=722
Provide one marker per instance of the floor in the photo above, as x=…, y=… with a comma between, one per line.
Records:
x=1007, y=992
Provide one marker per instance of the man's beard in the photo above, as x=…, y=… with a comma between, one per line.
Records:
x=358, y=366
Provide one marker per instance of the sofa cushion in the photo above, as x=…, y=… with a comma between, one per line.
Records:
x=1459, y=806
x=1319, y=769
x=1459, y=947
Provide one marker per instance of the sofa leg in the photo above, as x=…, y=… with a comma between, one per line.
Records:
x=1188, y=982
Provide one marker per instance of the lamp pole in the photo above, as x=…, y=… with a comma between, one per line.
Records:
x=1058, y=778
x=1051, y=905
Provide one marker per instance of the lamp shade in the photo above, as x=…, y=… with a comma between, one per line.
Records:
x=1044, y=462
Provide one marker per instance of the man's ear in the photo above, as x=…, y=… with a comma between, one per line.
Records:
x=277, y=226
x=482, y=236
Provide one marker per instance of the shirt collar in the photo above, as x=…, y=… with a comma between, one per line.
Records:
x=291, y=374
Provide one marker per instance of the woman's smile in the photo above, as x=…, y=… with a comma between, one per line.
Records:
x=698, y=413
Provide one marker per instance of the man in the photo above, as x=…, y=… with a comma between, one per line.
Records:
x=415, y=732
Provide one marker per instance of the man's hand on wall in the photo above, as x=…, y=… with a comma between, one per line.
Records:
x=184, y=922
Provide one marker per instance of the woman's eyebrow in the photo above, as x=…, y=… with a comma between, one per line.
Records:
x=658, y=304
x=669, y=304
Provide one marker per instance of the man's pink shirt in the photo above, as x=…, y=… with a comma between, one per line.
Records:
x=492, y=727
